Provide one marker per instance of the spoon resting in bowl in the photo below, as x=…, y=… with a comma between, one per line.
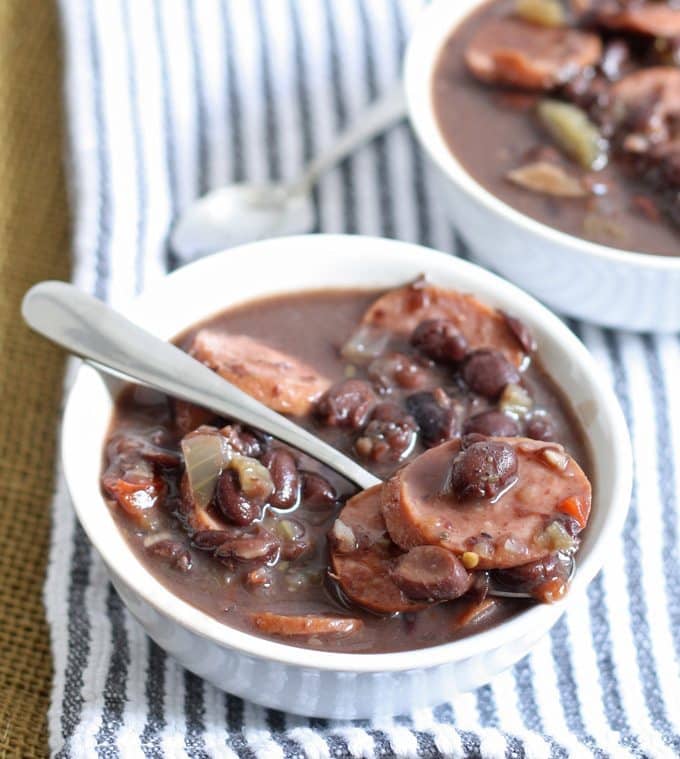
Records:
x=113, y=344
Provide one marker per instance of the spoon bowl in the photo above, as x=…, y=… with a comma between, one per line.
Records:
x=241, y=213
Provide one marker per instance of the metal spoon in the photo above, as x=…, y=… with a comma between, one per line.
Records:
x=242, y=213
x=111, y=343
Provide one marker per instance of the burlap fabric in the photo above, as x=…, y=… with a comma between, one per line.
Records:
x=34, y=245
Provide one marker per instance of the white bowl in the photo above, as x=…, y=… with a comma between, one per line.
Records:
x=594, y=282
x=294, y=679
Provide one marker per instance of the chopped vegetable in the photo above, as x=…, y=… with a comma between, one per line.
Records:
x=254, y=478
x=259, y=577
x=556, y=458
x=138, y=499
x=573, y=131
x=551, y=591
x=287, y=529
x=483, y=548
x=470, y=559
x=605, y=229
x=513, y=546
x=556, y=537
x=548, y=179
x=366, y=343
x=515, y=401
x=345, y=541
x=541, y=12
x=205, y=454
x=575, y=508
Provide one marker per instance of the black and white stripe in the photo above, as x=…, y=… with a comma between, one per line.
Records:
x=169, y=98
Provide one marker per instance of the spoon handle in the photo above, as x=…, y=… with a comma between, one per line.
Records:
x=382, y=114
x=90, y=329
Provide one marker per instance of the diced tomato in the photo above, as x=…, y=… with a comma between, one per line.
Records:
x=137, y=498
x=576, y=508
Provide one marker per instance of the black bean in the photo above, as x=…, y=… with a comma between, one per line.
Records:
x=390, y=434
x=284, y=474
x=487, y=372
x=430, y=573
x=347, y=404
x=188, y=416
x=233, y=503
x=482, y=469
x=245, y=441
x=440, y=340
x=540, y=427
x=435, y=414
x=397, y=370
x=492, y=424
x=317, y=491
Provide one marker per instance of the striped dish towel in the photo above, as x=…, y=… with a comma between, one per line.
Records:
x=169, y=98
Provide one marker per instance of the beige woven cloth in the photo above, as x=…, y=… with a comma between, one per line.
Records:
x=34, y=245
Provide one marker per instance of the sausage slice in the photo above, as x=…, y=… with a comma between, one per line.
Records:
x=305, y=625
x=513, y=52
x=362, y=556
x=534, y=513
x=655, y=19
x=401, y=311
x=279, y=381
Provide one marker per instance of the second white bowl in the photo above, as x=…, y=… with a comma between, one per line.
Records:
x=615, y=288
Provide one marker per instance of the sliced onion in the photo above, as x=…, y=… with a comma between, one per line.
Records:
x=345, y=540
x=514, y=546
x=483, y=548
x=515, y=401
x=365, y=344
x=156, y=537
x=556, y=458
x=556, y=537
x=574, y=133
x=205, y=455
x=547, y=179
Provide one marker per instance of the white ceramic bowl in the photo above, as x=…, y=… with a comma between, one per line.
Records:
x=594, y=282
x=317, y=682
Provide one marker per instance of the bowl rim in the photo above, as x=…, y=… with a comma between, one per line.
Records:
x=432, y=29
x=491, y=287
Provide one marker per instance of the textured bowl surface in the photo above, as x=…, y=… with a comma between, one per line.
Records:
x=594, y=282
x=317, y=682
